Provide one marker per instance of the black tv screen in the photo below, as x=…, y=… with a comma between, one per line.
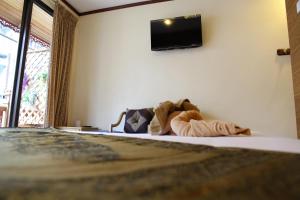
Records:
x=176, y=33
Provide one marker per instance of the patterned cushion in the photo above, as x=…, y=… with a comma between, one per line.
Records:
x=137, y=121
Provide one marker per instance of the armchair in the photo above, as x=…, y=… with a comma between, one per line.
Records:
x=118, y=122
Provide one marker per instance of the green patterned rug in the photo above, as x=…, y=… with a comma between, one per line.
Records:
x=49, y=164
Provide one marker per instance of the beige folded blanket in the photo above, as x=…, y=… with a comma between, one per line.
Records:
x=163, y=111
x=190, y=123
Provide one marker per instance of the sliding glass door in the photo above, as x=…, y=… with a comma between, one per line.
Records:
x=35, y=81
x=25, y=45
x=10, y=20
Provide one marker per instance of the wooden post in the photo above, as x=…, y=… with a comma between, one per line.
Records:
x=294, y=32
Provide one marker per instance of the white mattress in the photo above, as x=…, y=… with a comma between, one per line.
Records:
x=255, y=141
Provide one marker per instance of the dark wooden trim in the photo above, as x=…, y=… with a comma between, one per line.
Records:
x=122, y=7
x=112, y=8
x=20, y=65
x=44, y=7
x=71, y=7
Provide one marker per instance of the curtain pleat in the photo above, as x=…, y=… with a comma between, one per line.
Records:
x=61, y=58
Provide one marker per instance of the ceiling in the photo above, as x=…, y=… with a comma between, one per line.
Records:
x=89, y=5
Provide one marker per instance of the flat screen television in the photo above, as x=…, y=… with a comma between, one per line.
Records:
x=176, y=33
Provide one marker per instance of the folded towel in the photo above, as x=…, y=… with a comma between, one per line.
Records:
x=190, y=123
x=162, y=112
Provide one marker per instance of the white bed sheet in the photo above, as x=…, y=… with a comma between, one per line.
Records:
x=255, y=141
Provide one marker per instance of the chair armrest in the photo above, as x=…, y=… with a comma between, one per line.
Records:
x=118, y=122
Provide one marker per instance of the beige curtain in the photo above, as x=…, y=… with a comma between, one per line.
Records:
x=62, y=47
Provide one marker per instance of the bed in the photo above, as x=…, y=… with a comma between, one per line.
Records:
x=51, y=164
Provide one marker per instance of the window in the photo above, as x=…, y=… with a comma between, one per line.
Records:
x=35, y=81
x=10, y=20
x=24, y=62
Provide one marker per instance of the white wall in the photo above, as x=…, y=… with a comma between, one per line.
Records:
x=236, y=75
